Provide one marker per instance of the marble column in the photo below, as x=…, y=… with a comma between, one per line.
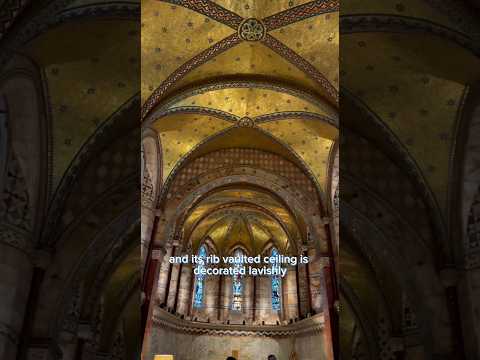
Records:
x=184, y=293
x=16, y=268
x=291, y=296
x=315, y=268
x=303, y=290
x=164, y=277
x=248, y=298
x=173, y=283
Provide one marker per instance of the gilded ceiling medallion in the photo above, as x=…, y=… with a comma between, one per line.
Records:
x=246, y=122
x=251, y=30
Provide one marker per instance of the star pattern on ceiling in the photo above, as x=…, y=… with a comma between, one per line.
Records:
x=248, y=30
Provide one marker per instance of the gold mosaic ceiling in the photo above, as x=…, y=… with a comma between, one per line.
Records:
x=89, y=74
x=289, y=41
x=295, y=61
x=416, y=90
x=246, y=217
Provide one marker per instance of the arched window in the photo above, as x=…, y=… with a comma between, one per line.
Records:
x=200, y=278
x=237, y=284
x=276, y=286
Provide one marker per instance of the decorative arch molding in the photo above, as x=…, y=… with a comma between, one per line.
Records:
x=184, y=161
x=161, y=108
x=465, y=175
x=189, y=202
x=351, y=24
x=407, y=163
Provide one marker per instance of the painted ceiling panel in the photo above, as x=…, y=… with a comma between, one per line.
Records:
x=416, y=91
x=215, y=216
x=250, y=59
x=87, y=81
x=253, y=102
x=258, y=9
x=311, y=140
x=180, y=133
x=315, y=39
x=240, y=226
x=168, y=44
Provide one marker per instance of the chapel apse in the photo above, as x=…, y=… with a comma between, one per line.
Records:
x=245, y=115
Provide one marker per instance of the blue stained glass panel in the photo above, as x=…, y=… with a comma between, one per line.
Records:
x=276, y=286
x=199, y=278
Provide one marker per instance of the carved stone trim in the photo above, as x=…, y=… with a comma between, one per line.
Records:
x=201, y=58
x=301, y=12
x=314, y=324
x=310, y=70
x=210, y=9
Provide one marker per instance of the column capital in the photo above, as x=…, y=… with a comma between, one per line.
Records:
x=158, y=252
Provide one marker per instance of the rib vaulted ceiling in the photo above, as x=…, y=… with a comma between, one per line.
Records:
x=267, y=66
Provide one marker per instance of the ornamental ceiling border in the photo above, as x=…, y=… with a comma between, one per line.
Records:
x=183, y=160
x=236, y=120
x=412, y=169
x=371, y=23
x=276, y=86
x=248, y=30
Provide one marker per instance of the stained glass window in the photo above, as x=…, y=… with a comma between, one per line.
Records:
x=237, y=284
x=200, y=278
x=276, y=286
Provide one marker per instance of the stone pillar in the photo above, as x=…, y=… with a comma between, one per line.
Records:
x=184, y=293
x=315, y=267
x=248, y=298
x=227, y=296
x=16, y=268
x=173, y=283
x=303, y=290
x=211, y=297
x=164, y=277
x=263, y=305
x=291, y=296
